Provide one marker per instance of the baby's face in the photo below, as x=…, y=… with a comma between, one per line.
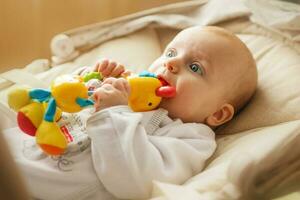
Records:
x=196, y=62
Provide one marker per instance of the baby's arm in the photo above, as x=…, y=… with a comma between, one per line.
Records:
x=127, y=159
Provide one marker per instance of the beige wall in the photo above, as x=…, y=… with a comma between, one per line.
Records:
x=27, y=26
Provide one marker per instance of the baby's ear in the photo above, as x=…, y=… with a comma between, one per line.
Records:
x=221, y=116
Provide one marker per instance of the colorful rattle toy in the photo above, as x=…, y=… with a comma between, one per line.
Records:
x=146, y=91
x=40, y=109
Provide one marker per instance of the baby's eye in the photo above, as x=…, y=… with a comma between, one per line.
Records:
x=171, y=53
x=195, y=67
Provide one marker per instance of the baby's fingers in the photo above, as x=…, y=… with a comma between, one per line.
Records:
x=126, y=73
x=101, y=95
x=117, y=71
x=109, y=80
x=101, y=66
x=109, y=68
x=122, y=85
x=98, y=94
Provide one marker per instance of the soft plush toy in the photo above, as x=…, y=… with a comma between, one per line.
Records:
x=39, y=109
x=146, y=91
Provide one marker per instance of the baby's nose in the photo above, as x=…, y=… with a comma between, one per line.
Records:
x=171, y=66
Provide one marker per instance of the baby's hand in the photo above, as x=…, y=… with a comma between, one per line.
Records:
x=108, y=68
x=113, y=92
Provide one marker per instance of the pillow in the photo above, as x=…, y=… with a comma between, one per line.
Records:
x=136, y=51
x=277, y=98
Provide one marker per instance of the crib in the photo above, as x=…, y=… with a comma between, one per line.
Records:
x=258, y=154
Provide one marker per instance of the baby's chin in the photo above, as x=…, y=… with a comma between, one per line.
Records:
x=173, y=113
x=176, y=111
x=165, y=104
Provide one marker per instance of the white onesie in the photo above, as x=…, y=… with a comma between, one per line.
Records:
x=124, y=153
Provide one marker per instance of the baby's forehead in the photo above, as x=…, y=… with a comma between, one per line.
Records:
x=208, y=39
x=203, y=31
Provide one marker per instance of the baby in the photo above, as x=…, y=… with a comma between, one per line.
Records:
x=214, y=75
x=212, y=70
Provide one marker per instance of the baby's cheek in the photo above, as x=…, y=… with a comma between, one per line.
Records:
x=152, y=68
x=155, y=66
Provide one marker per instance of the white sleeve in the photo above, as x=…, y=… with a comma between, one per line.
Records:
x=127, y=160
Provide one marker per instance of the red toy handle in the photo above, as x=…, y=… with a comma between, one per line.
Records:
x=166, y=91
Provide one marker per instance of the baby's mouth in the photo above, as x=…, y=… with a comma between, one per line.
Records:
x=166, y=90
x=162, y=80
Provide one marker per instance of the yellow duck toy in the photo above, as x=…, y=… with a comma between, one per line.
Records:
x=39, y=109
x=146, y=91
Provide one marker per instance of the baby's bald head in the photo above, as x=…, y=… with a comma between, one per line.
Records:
x=240, y=68
x=213, y=71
